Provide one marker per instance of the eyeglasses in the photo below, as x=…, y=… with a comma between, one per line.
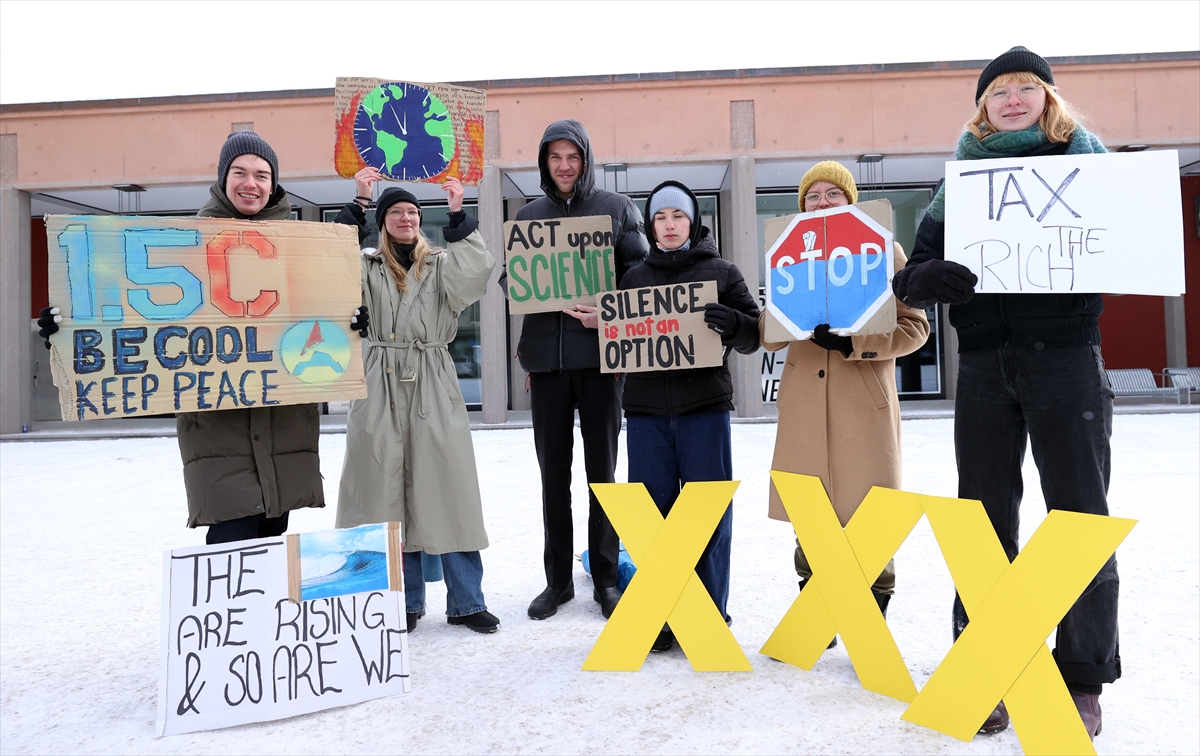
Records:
x=1026, y=93
x=831, y=196
x=402, y=213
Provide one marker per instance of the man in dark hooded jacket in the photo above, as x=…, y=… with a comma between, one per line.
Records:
x=562, y=357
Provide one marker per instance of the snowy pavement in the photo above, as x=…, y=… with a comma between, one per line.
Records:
x=83, y=525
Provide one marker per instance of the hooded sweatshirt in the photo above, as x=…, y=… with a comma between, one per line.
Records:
x=553, y=341
x=696, y=390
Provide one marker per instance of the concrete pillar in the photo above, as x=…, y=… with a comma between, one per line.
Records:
x=493, y=323
x=742, y=251
x=1174, y=314
x=16, y=367
x=310, y=213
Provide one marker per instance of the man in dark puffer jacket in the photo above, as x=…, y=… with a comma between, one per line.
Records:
x=562, y=356
x=677, y=421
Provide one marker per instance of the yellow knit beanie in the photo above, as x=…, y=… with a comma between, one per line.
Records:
x=833, y=172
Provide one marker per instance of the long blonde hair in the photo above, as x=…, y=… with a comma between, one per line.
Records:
x=422, y=250
x=1058, y=122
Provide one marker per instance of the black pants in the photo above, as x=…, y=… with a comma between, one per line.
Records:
x=554, y=398
x=1059, y=398
x=245, y=528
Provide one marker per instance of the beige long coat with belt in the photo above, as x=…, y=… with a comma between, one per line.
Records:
x=839, y=417
x=409, y=456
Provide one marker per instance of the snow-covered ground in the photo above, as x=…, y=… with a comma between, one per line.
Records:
x=83, y=526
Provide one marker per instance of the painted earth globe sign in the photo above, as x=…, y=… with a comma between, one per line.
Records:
x=315, y=351
x=831, y=266
x=404, y=131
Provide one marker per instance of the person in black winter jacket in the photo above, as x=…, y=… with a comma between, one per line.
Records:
x=1029, y=370
x=677, y=421
x=561, y=353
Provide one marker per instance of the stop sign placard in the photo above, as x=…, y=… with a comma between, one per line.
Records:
x=832, y=266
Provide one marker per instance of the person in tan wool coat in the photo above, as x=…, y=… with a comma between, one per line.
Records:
x=839, y=416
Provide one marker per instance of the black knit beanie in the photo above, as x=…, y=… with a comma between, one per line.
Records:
x=246, y=143
x=1014, y=61
x=390, y=197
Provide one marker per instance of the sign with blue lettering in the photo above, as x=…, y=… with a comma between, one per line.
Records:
x=832, y=266
x=165, y=315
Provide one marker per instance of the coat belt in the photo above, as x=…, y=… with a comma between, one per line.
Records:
x=409, y=372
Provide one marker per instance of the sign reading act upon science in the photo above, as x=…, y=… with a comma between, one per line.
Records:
x=1106, y=223
x=556, y=264
x=658, y=328
x=164, y=315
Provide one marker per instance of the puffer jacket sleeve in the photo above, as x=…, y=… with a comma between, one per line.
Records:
x=930, y=245
x=736, y=295
x=630, y=245
x=352, y=214
x=912, y=330
x=468, y=263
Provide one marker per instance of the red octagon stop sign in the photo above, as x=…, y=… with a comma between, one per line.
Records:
x=831, y=266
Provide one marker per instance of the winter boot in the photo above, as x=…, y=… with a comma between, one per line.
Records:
x=1089, y=711
x=665, y=640
x=412, y=617
x=480, y=622
x=996, y=722
x=882, y=599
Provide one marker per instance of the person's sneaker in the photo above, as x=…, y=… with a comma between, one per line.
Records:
x=412, y=618
x=548, y=601
x=1089, y=711
x=607, y=598
x=996, y=722
x=480, y=622
x=664, y=642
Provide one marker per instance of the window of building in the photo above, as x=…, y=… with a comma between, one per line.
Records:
x=466, y=349
x=918, y=375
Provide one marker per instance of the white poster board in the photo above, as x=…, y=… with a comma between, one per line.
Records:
x=237, y=649
x=1105, y=223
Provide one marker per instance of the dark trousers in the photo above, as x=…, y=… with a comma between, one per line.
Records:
x=245, y=528
x=666, y=451
x=554, y=398
x=1059, y=398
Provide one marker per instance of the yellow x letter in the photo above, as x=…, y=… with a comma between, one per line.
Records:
x=837, y=599
x=665, y=587
x=1002, y=654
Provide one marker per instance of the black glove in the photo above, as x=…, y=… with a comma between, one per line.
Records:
x=831, y=341
x=360, y=320
x=935, y=281
x=48, y=323
x=722, y=319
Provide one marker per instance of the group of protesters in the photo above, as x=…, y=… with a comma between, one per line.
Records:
x=1029, y=368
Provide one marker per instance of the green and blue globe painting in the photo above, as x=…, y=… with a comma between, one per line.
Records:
x=404, y=131
x=315, y=351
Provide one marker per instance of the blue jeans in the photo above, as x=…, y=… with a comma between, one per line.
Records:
x=463, y=571
x=1059, y=402
x=666, y=451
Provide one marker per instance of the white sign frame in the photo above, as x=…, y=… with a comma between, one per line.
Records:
x=1116, y=215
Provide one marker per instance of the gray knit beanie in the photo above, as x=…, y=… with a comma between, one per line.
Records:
x=1016, y=60
x=672, y=196
x=246, y=143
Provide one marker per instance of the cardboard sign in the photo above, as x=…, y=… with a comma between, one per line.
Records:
x=410, y=132
x=236, y=649
x=165, y=315
x=831, y=266
x=1106, y=223
x=658, y=328
x=556, y=264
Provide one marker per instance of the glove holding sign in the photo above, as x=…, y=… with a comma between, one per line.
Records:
x=933, y=281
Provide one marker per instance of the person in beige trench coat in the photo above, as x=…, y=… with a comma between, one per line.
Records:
x=409, y=456
x=839, y=415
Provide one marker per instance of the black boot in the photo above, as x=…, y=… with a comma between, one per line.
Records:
x=665, y=640
x=882, y=599
x=832, y=643
x=412, y=617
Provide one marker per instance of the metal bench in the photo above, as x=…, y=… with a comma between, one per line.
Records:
x=1138, y=382
x=1186, y=381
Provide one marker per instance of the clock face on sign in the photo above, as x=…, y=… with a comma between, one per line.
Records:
x=404, y=131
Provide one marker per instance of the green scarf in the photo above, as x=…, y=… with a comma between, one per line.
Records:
x=1010, y=144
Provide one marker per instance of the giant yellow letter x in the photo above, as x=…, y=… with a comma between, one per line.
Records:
x=837, y=599
x=665, y=587
x=1013, y=608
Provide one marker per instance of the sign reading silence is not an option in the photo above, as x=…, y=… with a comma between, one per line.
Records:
x=831, y=266
x=556, y=264
x=165, y=315
x=1103, y=223
x=658, y=328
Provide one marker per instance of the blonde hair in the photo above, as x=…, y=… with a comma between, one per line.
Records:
x=1058, y=122
x=419, y=253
